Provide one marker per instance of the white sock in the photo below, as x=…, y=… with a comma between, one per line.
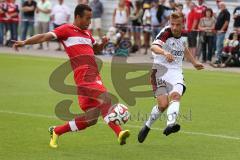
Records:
x=155, y=114
x=172, y=112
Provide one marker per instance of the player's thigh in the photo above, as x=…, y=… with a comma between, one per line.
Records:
x=93, y=95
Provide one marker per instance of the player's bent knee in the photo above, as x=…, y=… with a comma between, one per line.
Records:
x=162, y=105
x=175, y=96
x=105, y=98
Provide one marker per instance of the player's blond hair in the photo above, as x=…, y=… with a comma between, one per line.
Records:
x=176, y=15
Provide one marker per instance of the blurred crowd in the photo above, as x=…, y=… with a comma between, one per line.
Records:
x=135, y=24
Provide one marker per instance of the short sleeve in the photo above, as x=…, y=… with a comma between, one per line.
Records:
x=227, y=17
x=161, y=38
x=60, y=33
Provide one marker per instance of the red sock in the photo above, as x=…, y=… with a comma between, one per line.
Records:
x=81, y=123
x=116, y=128
x=78, y=123
x=59, y=130
x=104, y=111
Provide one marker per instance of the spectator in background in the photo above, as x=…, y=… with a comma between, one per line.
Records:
x=206, y=26
x=192, y=30
x=236, y=17
x=163, y=13
x=146, y=26
x=186, y=7
x=28, y=8
x=136, y=18
x=199, y=13
x=12, y=15
x=179, y=9
x=83, y=2
x=44, y=8
x=129, y=5
x=96, y=22
x=221, y=27
x=121, y=16
x=60, y=16
x=230, y=54
x=154, y=20
x=160, y=16
x=186, y=10
x=172, y=5
x=217, y=10
x=3, y=9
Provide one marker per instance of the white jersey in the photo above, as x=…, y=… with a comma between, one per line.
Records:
x=121, y=16
x=175, y=46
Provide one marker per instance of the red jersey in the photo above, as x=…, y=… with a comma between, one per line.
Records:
x=199, y=13
x=79, y=47
x=3, y=9
x=190, y=19
x=13, y=8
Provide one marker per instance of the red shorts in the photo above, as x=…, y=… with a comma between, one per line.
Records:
x=88, y=94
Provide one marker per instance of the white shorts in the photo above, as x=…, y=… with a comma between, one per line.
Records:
x=166, y=81
x=96, y=23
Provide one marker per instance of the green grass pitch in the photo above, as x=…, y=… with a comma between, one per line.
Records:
x=210, y=125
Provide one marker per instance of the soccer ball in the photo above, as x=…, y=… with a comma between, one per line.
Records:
x=119, y=114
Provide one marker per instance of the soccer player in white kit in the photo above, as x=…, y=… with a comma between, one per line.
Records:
x=168, y=49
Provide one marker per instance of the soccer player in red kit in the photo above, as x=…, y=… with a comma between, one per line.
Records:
x=93, y=97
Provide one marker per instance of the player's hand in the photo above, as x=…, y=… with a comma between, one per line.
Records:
x=105, y=40
x=198, y=66
x=18, y=44
x=169, y=57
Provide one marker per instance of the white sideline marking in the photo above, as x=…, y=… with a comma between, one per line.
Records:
x=132, y=126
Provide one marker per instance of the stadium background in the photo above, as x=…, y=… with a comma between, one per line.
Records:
x=109, y=6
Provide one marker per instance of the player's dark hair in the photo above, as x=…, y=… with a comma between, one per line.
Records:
x=79, y=10
x=208, y=10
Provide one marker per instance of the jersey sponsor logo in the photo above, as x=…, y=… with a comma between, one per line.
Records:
x=177, y=53
x=71, y=41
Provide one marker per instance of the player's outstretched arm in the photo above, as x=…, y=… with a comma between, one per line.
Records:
x=39, y=38
x=158, y=50
x=194, y=62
